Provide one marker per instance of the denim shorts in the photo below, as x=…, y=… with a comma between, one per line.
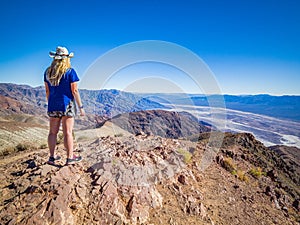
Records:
x=70, y=111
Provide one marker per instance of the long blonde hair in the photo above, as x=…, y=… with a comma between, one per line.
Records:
x=57, y=70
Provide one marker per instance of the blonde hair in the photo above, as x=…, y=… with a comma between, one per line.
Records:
x=57, y=69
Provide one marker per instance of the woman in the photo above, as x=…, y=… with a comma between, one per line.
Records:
x=61, y=90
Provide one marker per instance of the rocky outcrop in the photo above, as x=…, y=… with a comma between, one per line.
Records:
x=117, y=186
x=143, y=179
x=281, y=163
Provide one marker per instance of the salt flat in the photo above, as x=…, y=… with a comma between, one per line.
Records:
x=269, y=130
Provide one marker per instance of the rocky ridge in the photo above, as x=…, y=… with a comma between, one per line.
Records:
x=168, y=124
x=147, y=179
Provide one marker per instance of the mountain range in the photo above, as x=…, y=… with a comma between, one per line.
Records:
x=23, y=98
x=101, y=105
x=113, y=102
x=280, y=107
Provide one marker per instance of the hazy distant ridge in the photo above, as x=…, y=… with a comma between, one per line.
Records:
x=113, y=102
x=281, y=107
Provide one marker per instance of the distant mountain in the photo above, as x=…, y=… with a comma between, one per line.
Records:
x=25, y=99
x=9, y=106
x=161, y=123
x=22, y=99
x=281, y=107
x=113, y=102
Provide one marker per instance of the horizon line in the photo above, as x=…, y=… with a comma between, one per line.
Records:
x=171, y=93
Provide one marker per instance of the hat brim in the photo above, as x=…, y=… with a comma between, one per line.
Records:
x=57, y=56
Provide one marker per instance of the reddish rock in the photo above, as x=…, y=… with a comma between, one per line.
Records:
x=182, y=179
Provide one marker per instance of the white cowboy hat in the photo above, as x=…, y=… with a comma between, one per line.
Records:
x=61, y=53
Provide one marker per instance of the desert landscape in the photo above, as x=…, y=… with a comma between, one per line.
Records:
x=188, y=112
x=146, y=166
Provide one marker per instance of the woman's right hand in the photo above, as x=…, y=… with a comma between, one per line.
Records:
x=82, y=112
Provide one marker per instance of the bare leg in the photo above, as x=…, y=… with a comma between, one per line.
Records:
x=68, y=124
x=54, y=128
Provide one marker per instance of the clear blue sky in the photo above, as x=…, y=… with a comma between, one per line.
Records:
x=251, y=46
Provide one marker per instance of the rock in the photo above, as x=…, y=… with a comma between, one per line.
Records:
x=139, y=133
x=277, y=206
x=137, y=212
x=56, y=208
x=129, y=204
x=203, y=212
x=172, y=222
x=219, y=159
x=30, y=189
x=45, y=169
x=269, y=191
x=285, y=209
x=182, y=179
x=236, y=186
x=31, y=164
x=296, y=205
x=272, y=174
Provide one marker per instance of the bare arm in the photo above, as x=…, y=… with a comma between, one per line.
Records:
x=47, y=90
x=76, y=95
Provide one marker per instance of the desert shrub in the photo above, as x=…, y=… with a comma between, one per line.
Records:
x=118, y=135
x=60, y=137
x=7, y=151
x=43, y=146
x=22, y=147
x=187, y=156
x=256, y=172
x=242, y=175
x=114, y=161
x=18, y=148
x=229, y=165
